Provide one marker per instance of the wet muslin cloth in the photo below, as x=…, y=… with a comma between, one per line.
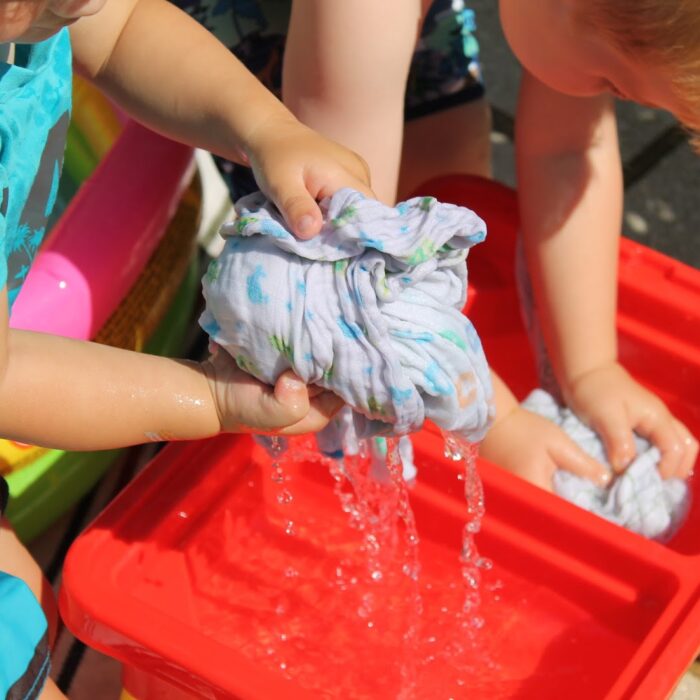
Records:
x=638, y=499
x=370, y=309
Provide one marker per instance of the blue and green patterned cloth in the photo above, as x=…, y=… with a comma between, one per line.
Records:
x=369, y=309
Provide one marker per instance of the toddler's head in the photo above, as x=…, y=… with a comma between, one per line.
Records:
x=643, y=50
x=28, y=21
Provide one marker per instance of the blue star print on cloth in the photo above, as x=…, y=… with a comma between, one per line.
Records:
x=370, y=309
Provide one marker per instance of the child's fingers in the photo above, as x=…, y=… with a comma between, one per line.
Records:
x=678, y=447
x=323, y=408
x=351, y=171
x=321, y=186
x=286, y=405
x=567, y=455
x=300, y=210
x=328, y=189
x=614, y=429
x=690, y=450
x=658, y=427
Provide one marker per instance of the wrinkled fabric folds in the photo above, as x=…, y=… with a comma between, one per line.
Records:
x=638, y=499
x=369, y=309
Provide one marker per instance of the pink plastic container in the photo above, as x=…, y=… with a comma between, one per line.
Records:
x=182, y=577
x=102, y=241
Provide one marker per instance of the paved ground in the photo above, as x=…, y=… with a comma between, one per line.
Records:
x=662, y=172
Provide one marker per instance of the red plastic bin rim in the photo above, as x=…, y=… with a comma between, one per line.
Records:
x=135, y=633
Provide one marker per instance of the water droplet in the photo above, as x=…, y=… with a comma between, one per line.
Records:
x=284, y=497
x=410, y=570
x=470, y=579
x=182, y=514
x=376, y=575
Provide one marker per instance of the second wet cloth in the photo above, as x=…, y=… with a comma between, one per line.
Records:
x=638, y=499
x=370, y=309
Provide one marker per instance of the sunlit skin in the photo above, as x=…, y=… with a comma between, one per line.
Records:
x=570, y=186
x=551, y=44
x=570, y=191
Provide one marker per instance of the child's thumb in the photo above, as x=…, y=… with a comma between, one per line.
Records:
x=288, y=403
x=300, y=211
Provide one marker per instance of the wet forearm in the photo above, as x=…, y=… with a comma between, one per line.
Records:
x=70, y=394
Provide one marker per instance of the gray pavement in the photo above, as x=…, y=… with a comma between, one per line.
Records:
x=662, y=172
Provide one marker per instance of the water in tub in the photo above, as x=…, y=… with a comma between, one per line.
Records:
x=326, y=581
x=347, y=603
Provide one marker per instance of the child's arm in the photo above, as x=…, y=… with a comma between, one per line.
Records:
x=174, y=76
x=570, y=184
x=532, y=446
x=75, y=395
x=345, y=71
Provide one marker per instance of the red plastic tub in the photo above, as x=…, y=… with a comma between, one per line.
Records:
x=188, y=575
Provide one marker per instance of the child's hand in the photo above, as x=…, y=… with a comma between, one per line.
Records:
x=614, y=404
x=245, y=405
x=295, y=166
x=534, y=448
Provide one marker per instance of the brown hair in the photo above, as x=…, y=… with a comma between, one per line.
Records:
x=663, y=33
